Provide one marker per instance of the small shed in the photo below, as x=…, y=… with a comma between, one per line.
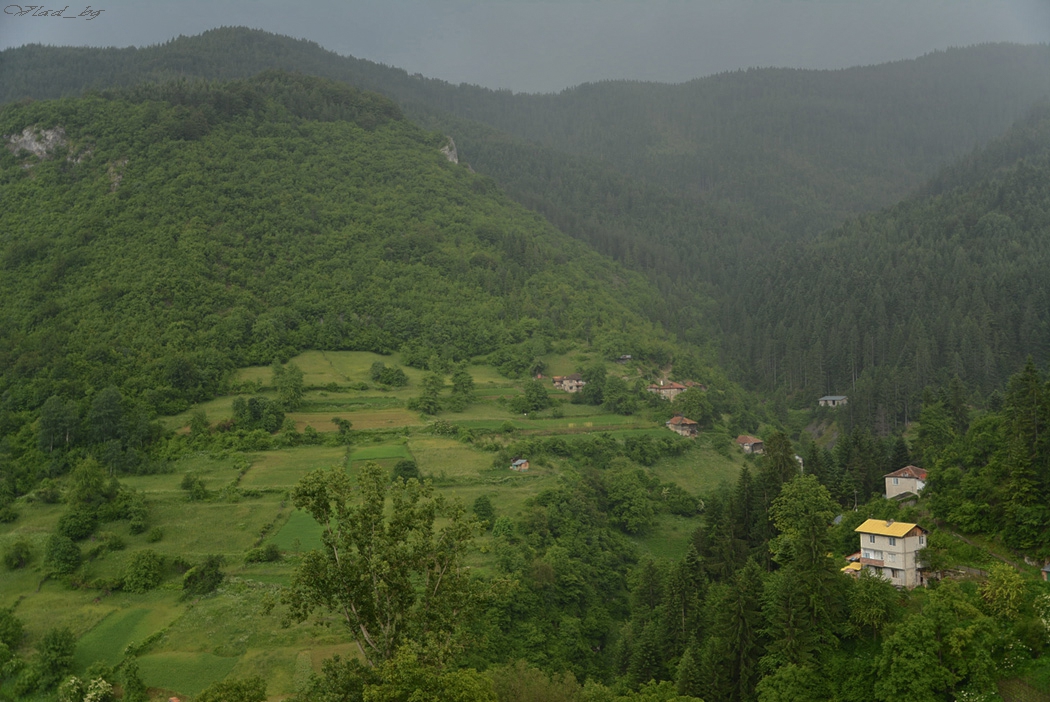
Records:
x=519, y=464
x=750, y=444
x=680, y=424
x=833, y=400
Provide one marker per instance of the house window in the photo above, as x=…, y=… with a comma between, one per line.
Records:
x=871, y=538
x=895, y=573
x=922, y=540
x=896, y=481
x=891, y=557
x=893, y=541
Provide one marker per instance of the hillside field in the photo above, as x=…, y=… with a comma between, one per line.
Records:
x=184, y=646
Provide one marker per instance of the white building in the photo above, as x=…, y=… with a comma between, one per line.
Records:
x=908, y=479
x=891, y=550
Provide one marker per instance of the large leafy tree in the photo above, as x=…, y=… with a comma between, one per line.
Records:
x=389, y=574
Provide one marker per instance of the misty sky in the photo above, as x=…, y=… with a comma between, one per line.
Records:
x=546, y=45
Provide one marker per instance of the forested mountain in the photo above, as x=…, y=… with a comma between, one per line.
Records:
x=155, y=238
x=803, y=147
x=953, y=283
x=706, y=186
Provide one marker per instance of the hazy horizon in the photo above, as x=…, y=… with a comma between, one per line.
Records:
x=543, y=46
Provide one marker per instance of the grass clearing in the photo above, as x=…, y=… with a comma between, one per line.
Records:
x=448, y=458
x=370, y=453
x=285, y=467
x=194, y=530
x=669, y=538
x=360, y=419
x=699, y=470
x=107, y=640
x=299, y=533
x=183, y=673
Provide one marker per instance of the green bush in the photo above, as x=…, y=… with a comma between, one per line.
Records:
x=248, y=690
x=155, y=534
x=54, y=658
x=266, y=554
x=406, y=469
x=484, y=511
x=7, y=514
x=204, y=578
x=61, y=554
x=11, y=629
x=18, y=555
x=77, y=524
x=143, y=571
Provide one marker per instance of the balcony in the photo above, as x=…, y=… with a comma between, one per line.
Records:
x=872, y=562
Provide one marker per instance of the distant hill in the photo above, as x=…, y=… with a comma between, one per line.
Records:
x=952, y=282
x=803, y=147
x=714, y=189
x=157, y=237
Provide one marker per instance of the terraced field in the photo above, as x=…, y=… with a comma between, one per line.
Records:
x=185, y=645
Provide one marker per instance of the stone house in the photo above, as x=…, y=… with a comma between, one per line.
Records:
x=683, y=425
x=668, y=390
x=569, y=383
x=750, y=444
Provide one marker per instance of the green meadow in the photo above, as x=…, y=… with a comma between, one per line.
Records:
x=185, y=645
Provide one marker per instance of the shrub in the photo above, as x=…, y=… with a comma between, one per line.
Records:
x=7, y=514
x=155, y=534
x=77, y=524
x=61, y=554
x=54, y=657
x=193, y=485
x=204, y=578
x=47, y=492
x=11, y=629
x=266, y=554
x=484, y=511
x=143, y=571
x=17, y=555
x=248, y=690
x=406, y=469
x=115, y=542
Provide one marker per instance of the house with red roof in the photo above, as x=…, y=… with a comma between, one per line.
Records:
x=683, y=425
x=750, y=444
x=909, y=479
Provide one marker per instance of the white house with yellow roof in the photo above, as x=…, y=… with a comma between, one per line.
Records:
x=891, y=549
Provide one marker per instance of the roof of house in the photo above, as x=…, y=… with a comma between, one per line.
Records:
x=886, y=528
x=679, y=419
x=908, y=472
x=1046, y=568
x=833, y=397
x=745, y=439
x=574, y=376
x=667, y=386
x=519, y=461
x=851, y=566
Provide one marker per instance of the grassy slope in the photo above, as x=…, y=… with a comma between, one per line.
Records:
x=228, y=633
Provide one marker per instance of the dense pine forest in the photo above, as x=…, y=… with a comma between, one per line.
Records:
x=275, y=361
